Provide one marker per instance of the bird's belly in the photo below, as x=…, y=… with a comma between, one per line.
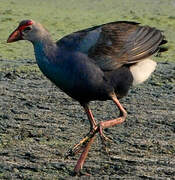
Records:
x=80, y=80
x=77, y=88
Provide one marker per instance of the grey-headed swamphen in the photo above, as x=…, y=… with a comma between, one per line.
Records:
x=98, y=63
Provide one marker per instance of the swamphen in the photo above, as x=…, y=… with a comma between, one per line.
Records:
x=98, y=63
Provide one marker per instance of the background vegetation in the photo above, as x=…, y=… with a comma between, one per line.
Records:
x=62, y=17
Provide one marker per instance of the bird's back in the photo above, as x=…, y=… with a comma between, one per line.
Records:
x=115, y=44
x=111, y=50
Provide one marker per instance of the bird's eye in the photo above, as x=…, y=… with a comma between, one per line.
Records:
x=27, y=29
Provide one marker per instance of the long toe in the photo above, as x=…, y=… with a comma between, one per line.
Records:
x=106, y=141
x=82, y=144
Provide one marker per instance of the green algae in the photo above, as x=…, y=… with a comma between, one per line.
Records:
x=63, y=17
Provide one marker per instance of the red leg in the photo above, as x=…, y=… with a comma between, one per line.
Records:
x=99, y=128
x=113, y=122
x=83, y=156
x=90, y=116
x=93, y=129
x=89, y=139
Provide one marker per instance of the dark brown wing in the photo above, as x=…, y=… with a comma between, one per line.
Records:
x=124, y=43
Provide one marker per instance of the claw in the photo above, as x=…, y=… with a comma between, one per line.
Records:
x=73, y=151
x=82, y=144
x=77, y=148
x=104, y=139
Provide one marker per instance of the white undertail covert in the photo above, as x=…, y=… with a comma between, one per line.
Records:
x=142, y=70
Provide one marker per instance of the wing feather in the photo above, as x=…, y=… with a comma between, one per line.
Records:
x=130, y=44
x=115, y=44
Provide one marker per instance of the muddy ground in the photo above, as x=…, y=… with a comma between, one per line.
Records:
x=38, y=124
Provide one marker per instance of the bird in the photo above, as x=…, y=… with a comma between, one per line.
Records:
x=98, y=63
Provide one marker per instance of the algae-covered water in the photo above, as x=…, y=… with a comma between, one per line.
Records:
x=38, y=122
x=63, y=17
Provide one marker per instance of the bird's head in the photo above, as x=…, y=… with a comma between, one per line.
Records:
x=27, y=30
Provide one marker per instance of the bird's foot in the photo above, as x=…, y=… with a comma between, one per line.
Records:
x=82, y=144
x=106, y=141
x=77, y=148
x=80, y=173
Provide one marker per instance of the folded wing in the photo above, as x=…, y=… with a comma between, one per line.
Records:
x=114, y=44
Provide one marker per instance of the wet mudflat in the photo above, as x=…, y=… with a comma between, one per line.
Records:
x=39, y=123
